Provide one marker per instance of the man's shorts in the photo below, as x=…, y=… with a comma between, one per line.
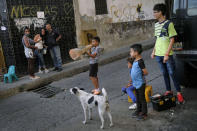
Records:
x=93, y=70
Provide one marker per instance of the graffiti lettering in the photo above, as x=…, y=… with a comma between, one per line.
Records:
x=68, y=8
x=15, y=11
x=54, y=10
x=22, y=22
x=21, y=11
x=128, y=13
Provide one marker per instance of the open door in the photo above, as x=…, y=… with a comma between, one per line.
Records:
x=87, y=35
x=2, y=63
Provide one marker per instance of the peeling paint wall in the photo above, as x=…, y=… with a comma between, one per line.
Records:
x=127, y=21
x=121, y=10
x=131, y=10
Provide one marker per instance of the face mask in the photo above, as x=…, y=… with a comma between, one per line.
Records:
x=26, y=34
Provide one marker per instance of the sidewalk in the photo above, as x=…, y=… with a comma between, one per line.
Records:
x=70, y=69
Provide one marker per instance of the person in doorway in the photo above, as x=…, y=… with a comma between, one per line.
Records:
x=162, y=52
x=52, y=38
x=29, y=48
x=39, y=40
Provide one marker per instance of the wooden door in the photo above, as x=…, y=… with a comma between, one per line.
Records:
x=2, y=62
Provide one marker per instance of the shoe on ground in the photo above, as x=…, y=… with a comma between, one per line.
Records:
x=133, y=106
x=97, y=92
x=55, y=69
x=135, y=114
x=180, y=98
x=40, y=71
x=59, y=69
x=46, y=70
x=168, y=93
x=142, y=117
x=34, y=77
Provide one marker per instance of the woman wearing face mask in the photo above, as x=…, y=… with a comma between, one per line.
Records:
x=29, y=48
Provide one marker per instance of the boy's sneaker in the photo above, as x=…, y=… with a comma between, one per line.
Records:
x=168, y=93
x=142, y=117
x=180, y=98
x=135, y=114
x=133, y=106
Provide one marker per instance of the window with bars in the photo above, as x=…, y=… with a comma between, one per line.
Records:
x=101, y=7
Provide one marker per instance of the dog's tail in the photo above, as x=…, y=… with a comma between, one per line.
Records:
x=105, y=94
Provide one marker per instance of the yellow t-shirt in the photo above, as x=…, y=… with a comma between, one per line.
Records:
x=163, y=32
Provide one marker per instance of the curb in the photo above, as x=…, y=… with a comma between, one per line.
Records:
x=64, y=74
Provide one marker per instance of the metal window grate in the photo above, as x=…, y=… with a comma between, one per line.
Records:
x=101, y=7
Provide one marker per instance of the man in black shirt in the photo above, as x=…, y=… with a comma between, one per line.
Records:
x=52, y=37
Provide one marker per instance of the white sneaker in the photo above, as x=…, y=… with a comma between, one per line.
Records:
x=133, y=106
x=46, y=70
x=40, y=71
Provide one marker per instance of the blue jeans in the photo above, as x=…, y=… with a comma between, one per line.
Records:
x=129, y=91
x=168, y=70
x=39, y=54
x=56, y=56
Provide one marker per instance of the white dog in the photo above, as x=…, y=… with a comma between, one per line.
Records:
x=88, y=101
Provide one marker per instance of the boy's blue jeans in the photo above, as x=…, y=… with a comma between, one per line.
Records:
x=168, y=69
x=129, y=91
x=56, y=56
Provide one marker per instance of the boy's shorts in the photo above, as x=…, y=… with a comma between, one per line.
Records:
x=93, y=70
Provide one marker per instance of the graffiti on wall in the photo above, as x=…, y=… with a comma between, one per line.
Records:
x=21, y=11
x=60, y=14
x=23, y=22
x=127, y=13
x=26, y=15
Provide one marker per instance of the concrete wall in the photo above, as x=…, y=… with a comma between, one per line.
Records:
x=127, y=21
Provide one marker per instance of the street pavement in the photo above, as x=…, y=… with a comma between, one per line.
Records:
x=27, y=111
x=69, y=69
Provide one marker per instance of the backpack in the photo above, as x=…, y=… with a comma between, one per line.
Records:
x=164, y=30
x=177, y=43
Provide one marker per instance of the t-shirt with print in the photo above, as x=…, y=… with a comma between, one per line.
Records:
x=163, y=35
x=137, y=73
x=93, y=51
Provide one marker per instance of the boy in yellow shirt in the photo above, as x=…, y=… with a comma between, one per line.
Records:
x=162, y=52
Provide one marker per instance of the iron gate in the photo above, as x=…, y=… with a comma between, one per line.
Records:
x=21, y=13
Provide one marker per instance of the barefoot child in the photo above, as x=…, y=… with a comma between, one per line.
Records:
x=94, y=54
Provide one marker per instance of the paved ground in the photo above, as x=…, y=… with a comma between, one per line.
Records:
x=69, y=69
x=28, y=112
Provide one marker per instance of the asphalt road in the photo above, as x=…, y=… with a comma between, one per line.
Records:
x=27, y=111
